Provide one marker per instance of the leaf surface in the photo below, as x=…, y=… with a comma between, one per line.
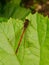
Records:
x=34, y=48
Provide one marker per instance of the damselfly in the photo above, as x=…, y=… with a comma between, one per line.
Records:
x=24, y=29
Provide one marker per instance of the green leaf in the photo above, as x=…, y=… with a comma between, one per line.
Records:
x=16, y=1
x=34, y=48
x=2, y=19
x=12, y=9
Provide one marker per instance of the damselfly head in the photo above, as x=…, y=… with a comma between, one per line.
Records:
x=26, y=23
